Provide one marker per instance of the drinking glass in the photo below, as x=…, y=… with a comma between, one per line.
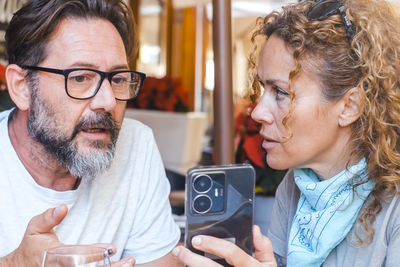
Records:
x=77, y=255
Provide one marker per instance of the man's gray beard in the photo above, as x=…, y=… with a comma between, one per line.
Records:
x=43, y=127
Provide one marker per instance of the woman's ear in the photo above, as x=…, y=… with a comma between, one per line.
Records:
x=351, y=107
x=18, y=87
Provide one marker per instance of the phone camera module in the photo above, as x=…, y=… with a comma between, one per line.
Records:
x=202, y=183
x=202, y=204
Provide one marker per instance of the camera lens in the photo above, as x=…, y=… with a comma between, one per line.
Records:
x=202, y=204
x=202, y=183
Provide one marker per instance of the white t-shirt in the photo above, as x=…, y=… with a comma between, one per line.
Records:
x=127, y=206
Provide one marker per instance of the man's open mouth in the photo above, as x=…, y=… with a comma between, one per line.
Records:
x=95, y=129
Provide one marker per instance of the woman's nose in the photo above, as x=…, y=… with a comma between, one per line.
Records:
x=262, y=112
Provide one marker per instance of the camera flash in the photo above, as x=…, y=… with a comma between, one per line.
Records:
x=216, y=192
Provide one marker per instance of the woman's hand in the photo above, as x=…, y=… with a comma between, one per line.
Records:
x=264, y=255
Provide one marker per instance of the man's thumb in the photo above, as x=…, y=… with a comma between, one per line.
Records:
x=45, y=222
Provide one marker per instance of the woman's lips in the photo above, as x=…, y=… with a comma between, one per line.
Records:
x=268, y=142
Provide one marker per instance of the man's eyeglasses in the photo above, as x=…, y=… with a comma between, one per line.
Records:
x=323, y=9
x=83, y=83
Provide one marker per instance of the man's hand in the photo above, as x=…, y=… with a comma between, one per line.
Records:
x=39, y=236
x=230, y=252
x=126, y=262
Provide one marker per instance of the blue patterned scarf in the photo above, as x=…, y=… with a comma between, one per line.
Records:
x=325, y=213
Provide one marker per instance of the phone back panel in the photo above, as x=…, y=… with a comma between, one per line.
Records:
x=223, y=207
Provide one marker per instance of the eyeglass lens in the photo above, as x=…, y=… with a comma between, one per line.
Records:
x=85, y=83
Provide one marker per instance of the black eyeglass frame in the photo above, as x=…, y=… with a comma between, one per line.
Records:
x=338, y=8
x=102, y=74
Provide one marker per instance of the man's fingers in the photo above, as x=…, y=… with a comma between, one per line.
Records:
x=126, y=262
x=111, y=249
x=263, y=247
x=45, y=222
x=39, y=236
x=192, y=259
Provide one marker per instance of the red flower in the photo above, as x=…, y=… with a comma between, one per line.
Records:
x=3, y=83
x=250, y=140
x=254, y=151
x=249, y=149
x=167, y=94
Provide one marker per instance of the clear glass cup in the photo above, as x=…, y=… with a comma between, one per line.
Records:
x=76, y=255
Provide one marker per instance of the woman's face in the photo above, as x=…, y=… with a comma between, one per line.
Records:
x=317, y=140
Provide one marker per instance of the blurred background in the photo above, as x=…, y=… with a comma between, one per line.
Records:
x=178, y=99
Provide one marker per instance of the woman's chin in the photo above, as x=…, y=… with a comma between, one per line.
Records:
x=277, y=164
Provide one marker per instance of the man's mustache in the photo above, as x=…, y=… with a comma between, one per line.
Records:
x=103, y=120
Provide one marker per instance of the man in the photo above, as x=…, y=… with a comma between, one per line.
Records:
x=60, y=158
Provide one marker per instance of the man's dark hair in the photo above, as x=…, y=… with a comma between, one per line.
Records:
x=31, y=27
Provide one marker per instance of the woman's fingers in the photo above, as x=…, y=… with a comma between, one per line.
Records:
x=192, y=259
x=224, y=249
x=235, y=256
x=263, y=247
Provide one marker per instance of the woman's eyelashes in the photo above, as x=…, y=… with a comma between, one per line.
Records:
x=279, y=91
x=276, y=90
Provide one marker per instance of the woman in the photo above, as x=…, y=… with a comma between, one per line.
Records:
x=328, y=75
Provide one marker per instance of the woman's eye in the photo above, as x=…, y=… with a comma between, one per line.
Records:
x=273, y=89
x=261, y=85
x=279, y=91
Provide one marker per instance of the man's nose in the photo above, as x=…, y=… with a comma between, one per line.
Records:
x=105, y=98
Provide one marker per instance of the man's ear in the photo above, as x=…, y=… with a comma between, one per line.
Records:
x=18, y=87
x=351, y=107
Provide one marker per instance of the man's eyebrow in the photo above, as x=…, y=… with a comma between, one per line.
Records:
x=92, y=66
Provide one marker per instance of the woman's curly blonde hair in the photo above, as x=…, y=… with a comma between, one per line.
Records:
x=370, y=63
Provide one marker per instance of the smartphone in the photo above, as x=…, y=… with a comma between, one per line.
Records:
x=219, y=202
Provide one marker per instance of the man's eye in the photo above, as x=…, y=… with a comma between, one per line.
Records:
x=79, y=79
x=118, y=80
